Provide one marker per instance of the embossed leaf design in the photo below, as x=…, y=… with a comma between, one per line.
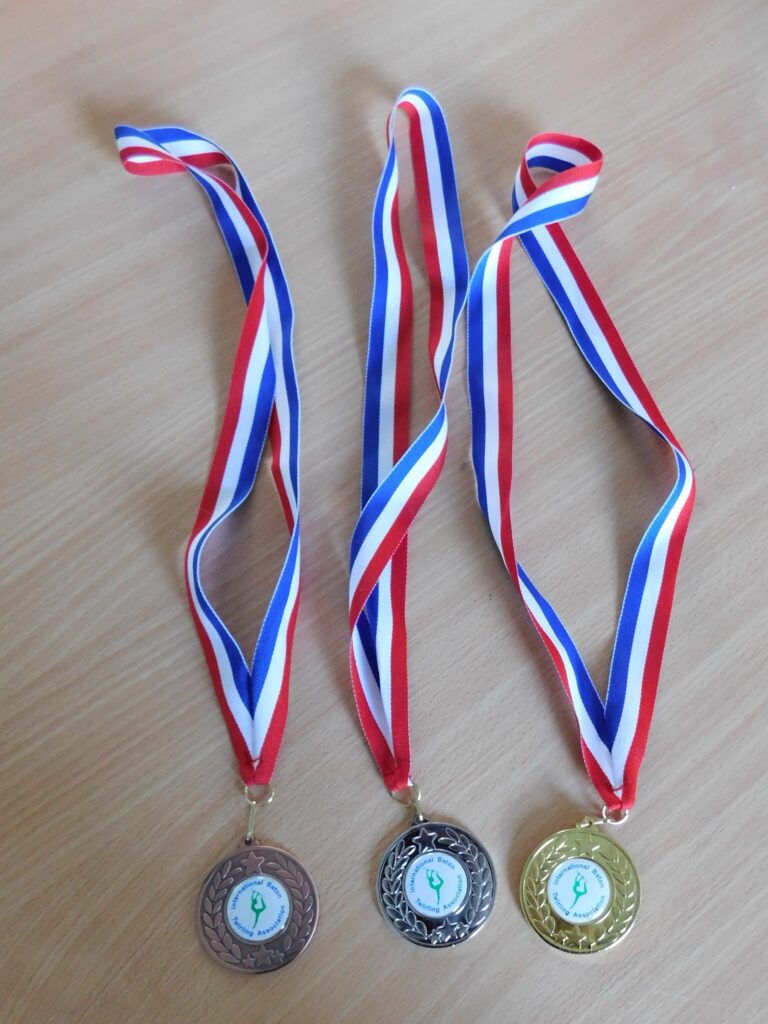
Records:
x=402, y=915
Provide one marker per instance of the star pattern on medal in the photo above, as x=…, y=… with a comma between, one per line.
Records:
x=447, y=932
x=253, y=862
x=264, y=957
x=424, y=840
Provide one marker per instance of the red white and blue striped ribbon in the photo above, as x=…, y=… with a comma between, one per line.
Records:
x=613, y=732
x=263, y=399
x=397, y=476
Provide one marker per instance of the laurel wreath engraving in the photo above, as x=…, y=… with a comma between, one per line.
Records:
x=454, y=927
x=219, y=937
x=574, y=937
x=265, y=955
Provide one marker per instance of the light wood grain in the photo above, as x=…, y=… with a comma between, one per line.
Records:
x=120, y=315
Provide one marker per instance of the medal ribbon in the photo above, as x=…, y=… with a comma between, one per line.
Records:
x=263, y=399
x=398, y=475
x=613, y=732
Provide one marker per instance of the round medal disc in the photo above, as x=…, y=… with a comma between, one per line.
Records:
x=580, y=891
x=436, y=884
x=257, y=909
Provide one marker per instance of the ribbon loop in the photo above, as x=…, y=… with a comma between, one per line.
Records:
x=572, y=167
x=263, y=400
x=166, y=150
x=613, y=732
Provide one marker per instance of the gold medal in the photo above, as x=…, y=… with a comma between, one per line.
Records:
x=579, y=889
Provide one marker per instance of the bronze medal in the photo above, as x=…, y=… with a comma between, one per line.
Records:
x=257, y=909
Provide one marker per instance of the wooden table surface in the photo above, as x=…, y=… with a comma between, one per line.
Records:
x=120, y=316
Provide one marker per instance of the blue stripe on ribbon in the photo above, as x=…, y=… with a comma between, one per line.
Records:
x=257, y=433
x=576, y=327
x=376, y=338
x=162, y=134
x=285, y=307
x=453, y=219
x=374, y=368
x=551, y=163
x=475, y=372
x=545, y=215
x=265, y=646
x=636, y=582
x=237, y=662
x=231, y=237
x=556, y=289
x=590, y=698
x=380, y=498
x=368, y=641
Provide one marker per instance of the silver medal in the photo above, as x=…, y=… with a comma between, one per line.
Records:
x=436, y=884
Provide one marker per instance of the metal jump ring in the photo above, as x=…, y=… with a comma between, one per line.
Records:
x=259, y=801
x=614, y=817
x=414, y=797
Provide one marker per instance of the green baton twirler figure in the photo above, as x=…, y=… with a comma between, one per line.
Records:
x=436, y=883
x=258, y=905
x=579, y=889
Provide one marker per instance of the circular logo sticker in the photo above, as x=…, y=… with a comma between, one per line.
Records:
x=436, y=884
x=259, y=908
x=579, y=891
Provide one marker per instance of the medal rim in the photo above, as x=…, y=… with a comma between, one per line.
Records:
x=576, y=932
x=298, y=916
x=433, y=925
